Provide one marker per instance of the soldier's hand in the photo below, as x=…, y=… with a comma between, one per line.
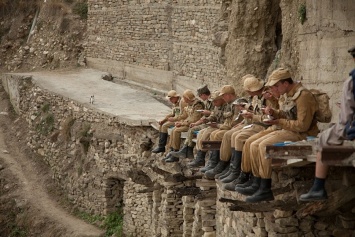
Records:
x=269, y=110
x=192, y=125
x=247, y=115
x=171, y=119
x=272, y=122
x=177, y=124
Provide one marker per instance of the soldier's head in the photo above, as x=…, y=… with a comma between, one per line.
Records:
x=280, y=80
x=252, y=85
x=203, y=92
x=189, y=97
x=217, y=99
x=352, y=52
x=228, y=93
x=173, y=96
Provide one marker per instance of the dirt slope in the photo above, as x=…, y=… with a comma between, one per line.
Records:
x=28, y=206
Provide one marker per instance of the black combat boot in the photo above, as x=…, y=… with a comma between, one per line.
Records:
x=210, y=174
x=182, y=153
x=264, y=192
x=163, y=137
x=225, y=174
x=317, y=192
x=190, y=152
x=243, y=177
x=199, y=160
x=251, y=189
x=169, y=156
x=236, y=161
x=212, y=162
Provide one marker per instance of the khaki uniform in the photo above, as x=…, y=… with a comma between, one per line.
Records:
x=296, y=120
x=229, y=138
x=230, y=115
x=257, y=124
x=191, y=115
x=217, y=117
x=246, y=155
x=191, y=132
x=176, y=113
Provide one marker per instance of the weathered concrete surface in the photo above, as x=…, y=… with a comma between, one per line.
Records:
x=131, y=106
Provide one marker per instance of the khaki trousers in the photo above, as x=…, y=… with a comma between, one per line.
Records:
x=246, y=155
x=165, y=126
x=175, y=137
x=225, y=136
x=191, y=134
x=261, y=166
x=239, y=138
x=204, y=135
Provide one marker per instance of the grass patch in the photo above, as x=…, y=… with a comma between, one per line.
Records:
x=112, y=223
x=302, y=13
x=81, y=9
x=46, y=125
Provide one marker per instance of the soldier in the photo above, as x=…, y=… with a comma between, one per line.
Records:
x=191, y=114
x=252, y=114
x=229, y=96
x=246, y=183
x=187, y=150
x=216, y=117
x=178, y=105
x=333, y=136
x=255, y=88
x=296, y=118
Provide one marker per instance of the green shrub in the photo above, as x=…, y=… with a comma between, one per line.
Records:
x=81, y=8
x=114, y=224
x=302, y=13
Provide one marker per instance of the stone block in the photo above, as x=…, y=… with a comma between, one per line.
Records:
x=281, y=214
x=288, y=221
x=209, y=234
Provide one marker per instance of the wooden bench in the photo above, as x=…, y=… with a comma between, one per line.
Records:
x=339, y=155
x=293, y=154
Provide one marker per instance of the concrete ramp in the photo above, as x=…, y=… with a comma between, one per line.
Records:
x=134, y=107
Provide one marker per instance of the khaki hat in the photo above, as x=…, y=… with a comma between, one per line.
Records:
x=227, y=89
x=352, y=51
x=203, y=90
x=252, y=84
x=188, y=94
x=278, y=75
x=216, y=95
x=172, y=93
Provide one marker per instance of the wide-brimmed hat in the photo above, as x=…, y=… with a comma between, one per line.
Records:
x=227, y=89
x=278, y=75
x=188, y=94
x=203, y=90
x=172, y=93
x=216, y=95
x=252, y=84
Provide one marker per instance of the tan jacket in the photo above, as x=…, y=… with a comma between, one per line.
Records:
x=191, y=114
x=229, y=115
x=217, y=114
x=297, y=112
x=177, y=110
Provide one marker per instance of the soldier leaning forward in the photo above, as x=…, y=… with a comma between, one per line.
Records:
x=191, y=114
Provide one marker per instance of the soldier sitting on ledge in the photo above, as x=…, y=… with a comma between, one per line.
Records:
x=176, y=114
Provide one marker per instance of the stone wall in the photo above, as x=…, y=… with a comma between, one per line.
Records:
x=101, y=166
x=156, y=36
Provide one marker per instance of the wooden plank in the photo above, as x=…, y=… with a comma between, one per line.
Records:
x=338, y=155
x=211, y=145
x=288, y=151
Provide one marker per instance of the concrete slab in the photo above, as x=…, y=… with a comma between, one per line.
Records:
x=132, y=106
